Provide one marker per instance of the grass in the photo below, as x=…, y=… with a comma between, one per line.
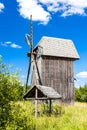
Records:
x=72, y=117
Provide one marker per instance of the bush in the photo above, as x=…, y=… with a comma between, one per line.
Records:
x=22, y=116
x=81, y=94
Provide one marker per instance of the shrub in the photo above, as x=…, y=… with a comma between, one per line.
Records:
x=22, y=116
x=81, y=93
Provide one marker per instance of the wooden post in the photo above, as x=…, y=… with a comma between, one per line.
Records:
x=50, y=105
x=36, y=103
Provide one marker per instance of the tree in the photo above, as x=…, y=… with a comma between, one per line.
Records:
x=10, y=90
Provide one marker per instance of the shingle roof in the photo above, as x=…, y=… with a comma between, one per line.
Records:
x=43, y=92
x=58, y=47
x=49, y=92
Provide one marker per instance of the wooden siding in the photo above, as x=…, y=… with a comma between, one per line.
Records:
x=59, y=74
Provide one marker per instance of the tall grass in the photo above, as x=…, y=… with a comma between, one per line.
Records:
x=73, y=117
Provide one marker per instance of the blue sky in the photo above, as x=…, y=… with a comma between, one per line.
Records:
x=55, y=18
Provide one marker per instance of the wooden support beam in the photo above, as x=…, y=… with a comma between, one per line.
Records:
x=44, y=98
x=50, y=105
x=36, y=103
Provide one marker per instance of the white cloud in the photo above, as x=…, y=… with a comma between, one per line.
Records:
x=1, y=6
x=42, y=9
x=28, y=7
x=82, y=74
x=74, y=10
x=10, y=44
x=13, y=45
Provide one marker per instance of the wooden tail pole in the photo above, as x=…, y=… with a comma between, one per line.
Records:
x=31, y=33
x=30, y=43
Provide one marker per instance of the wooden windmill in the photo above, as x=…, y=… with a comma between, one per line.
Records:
x=53, y=64
x=32, y=56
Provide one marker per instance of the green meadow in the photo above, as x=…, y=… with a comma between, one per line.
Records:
x=65, y=117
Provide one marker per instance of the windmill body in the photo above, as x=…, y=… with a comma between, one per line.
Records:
x=55, y=62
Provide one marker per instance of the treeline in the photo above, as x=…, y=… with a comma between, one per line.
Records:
x=81, y=93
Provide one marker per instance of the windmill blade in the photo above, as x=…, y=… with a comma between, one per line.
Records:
x=27, y=77
x=27, y=37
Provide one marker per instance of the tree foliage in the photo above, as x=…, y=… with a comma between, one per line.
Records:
x=81, y=93
x=10, y=90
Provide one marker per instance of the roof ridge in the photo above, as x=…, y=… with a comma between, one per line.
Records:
x=55, y=38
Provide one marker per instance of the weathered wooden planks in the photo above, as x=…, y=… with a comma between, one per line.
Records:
x=56, y=72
